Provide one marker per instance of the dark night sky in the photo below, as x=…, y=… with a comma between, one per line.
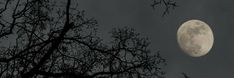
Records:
x=161, y=31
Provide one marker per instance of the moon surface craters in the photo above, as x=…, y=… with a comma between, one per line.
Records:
x=195, y=38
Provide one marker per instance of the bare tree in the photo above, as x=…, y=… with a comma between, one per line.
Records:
x=167, y=4
x=51, y=38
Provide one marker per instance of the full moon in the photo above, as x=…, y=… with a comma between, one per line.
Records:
x=195, y=38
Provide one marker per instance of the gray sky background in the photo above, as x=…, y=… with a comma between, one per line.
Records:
x=161, y=31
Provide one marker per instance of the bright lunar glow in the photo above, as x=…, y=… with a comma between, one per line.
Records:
x=195, y=38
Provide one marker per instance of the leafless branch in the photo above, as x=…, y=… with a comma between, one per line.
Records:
x=168, y=4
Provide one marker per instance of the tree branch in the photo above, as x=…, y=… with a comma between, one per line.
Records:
x=168, y=4
x=54, y=45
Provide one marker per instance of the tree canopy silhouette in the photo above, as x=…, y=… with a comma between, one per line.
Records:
x=52, y=38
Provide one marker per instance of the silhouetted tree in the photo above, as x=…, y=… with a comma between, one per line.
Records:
x=167, y=4
x=51, y=38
